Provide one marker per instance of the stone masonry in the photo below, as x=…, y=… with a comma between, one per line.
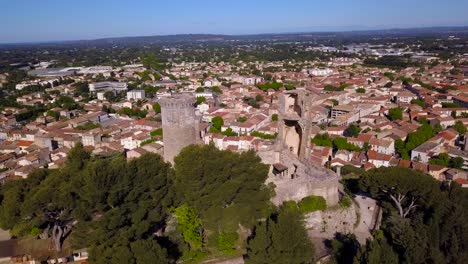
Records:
x=180, y=124
x=292, y=173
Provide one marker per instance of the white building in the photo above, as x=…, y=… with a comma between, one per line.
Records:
x=210, y=82
x=91, y=139
x=136, y=95
x=100, y=96
x=204, y=94
x=108, y=86
x=320, y=72
x=252, y=80
x=95, y=70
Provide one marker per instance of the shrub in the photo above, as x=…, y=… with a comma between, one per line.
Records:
x=361, y=90
x=312, y=203
x=263, y=135
x=156, y=132
x=274, y=117
x=227, y=242
x=345, y=202
x=35, y=231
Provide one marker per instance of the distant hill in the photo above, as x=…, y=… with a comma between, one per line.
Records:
x=298, y=36
x=287, y=36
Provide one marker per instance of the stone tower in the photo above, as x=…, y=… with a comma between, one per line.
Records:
x=180, y=124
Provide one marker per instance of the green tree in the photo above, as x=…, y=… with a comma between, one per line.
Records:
x=395, y=114
x=217, y=122
x=77, y=157
x=352, y=131
x=274, y=117
x=110, y=96
x=66, y=102
x=263, y=135
x=223, y=187
x=322, y=140
x=460, y=127
x=425, y=220
x=227, y=242
x=229, y=132
x=201, y=99
x=157, y=108
x=443, y=159
x=149, y=251
x=282, y=239
x=242, y=119
x=360, y=90
x=390, y=76
x=189, y=225
x=418, y=102
x=342, y=143
x=344, y=248
x=400, y=148
x=404, y=188
x=377, y=251
x=132, y=199
x=457, y=162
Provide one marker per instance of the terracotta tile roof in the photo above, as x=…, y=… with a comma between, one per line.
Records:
x=461, y=181
x=24, y=143
x=404, y=163
x=374, y=155
x=368, y=166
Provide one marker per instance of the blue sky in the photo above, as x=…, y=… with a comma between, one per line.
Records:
x=49, y=20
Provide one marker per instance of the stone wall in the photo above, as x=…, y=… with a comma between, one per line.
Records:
x=302, y=180
x=360, y=219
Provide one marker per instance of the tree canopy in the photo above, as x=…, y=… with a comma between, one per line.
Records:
x=424, y=220
x=281, y=239
x=142, y=210
x=225, y=188
x=218, y=122
x=395, y=114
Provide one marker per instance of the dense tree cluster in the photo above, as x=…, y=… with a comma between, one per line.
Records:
x=281, y=239
x=414, y=139
x=424, y=220
x=145, y=210
x=395, y=114
x=391, y=61
x=443, y=159
x=133, y=112
x=337, y=143
x=273, y=85
x=418, y=102
x=352, y=130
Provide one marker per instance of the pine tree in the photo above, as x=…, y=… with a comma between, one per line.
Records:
x=282, y=239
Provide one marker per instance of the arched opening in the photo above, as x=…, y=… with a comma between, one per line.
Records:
x=292, y=136
x=292, y=105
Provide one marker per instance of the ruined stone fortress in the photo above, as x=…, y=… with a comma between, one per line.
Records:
x=291, y=171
